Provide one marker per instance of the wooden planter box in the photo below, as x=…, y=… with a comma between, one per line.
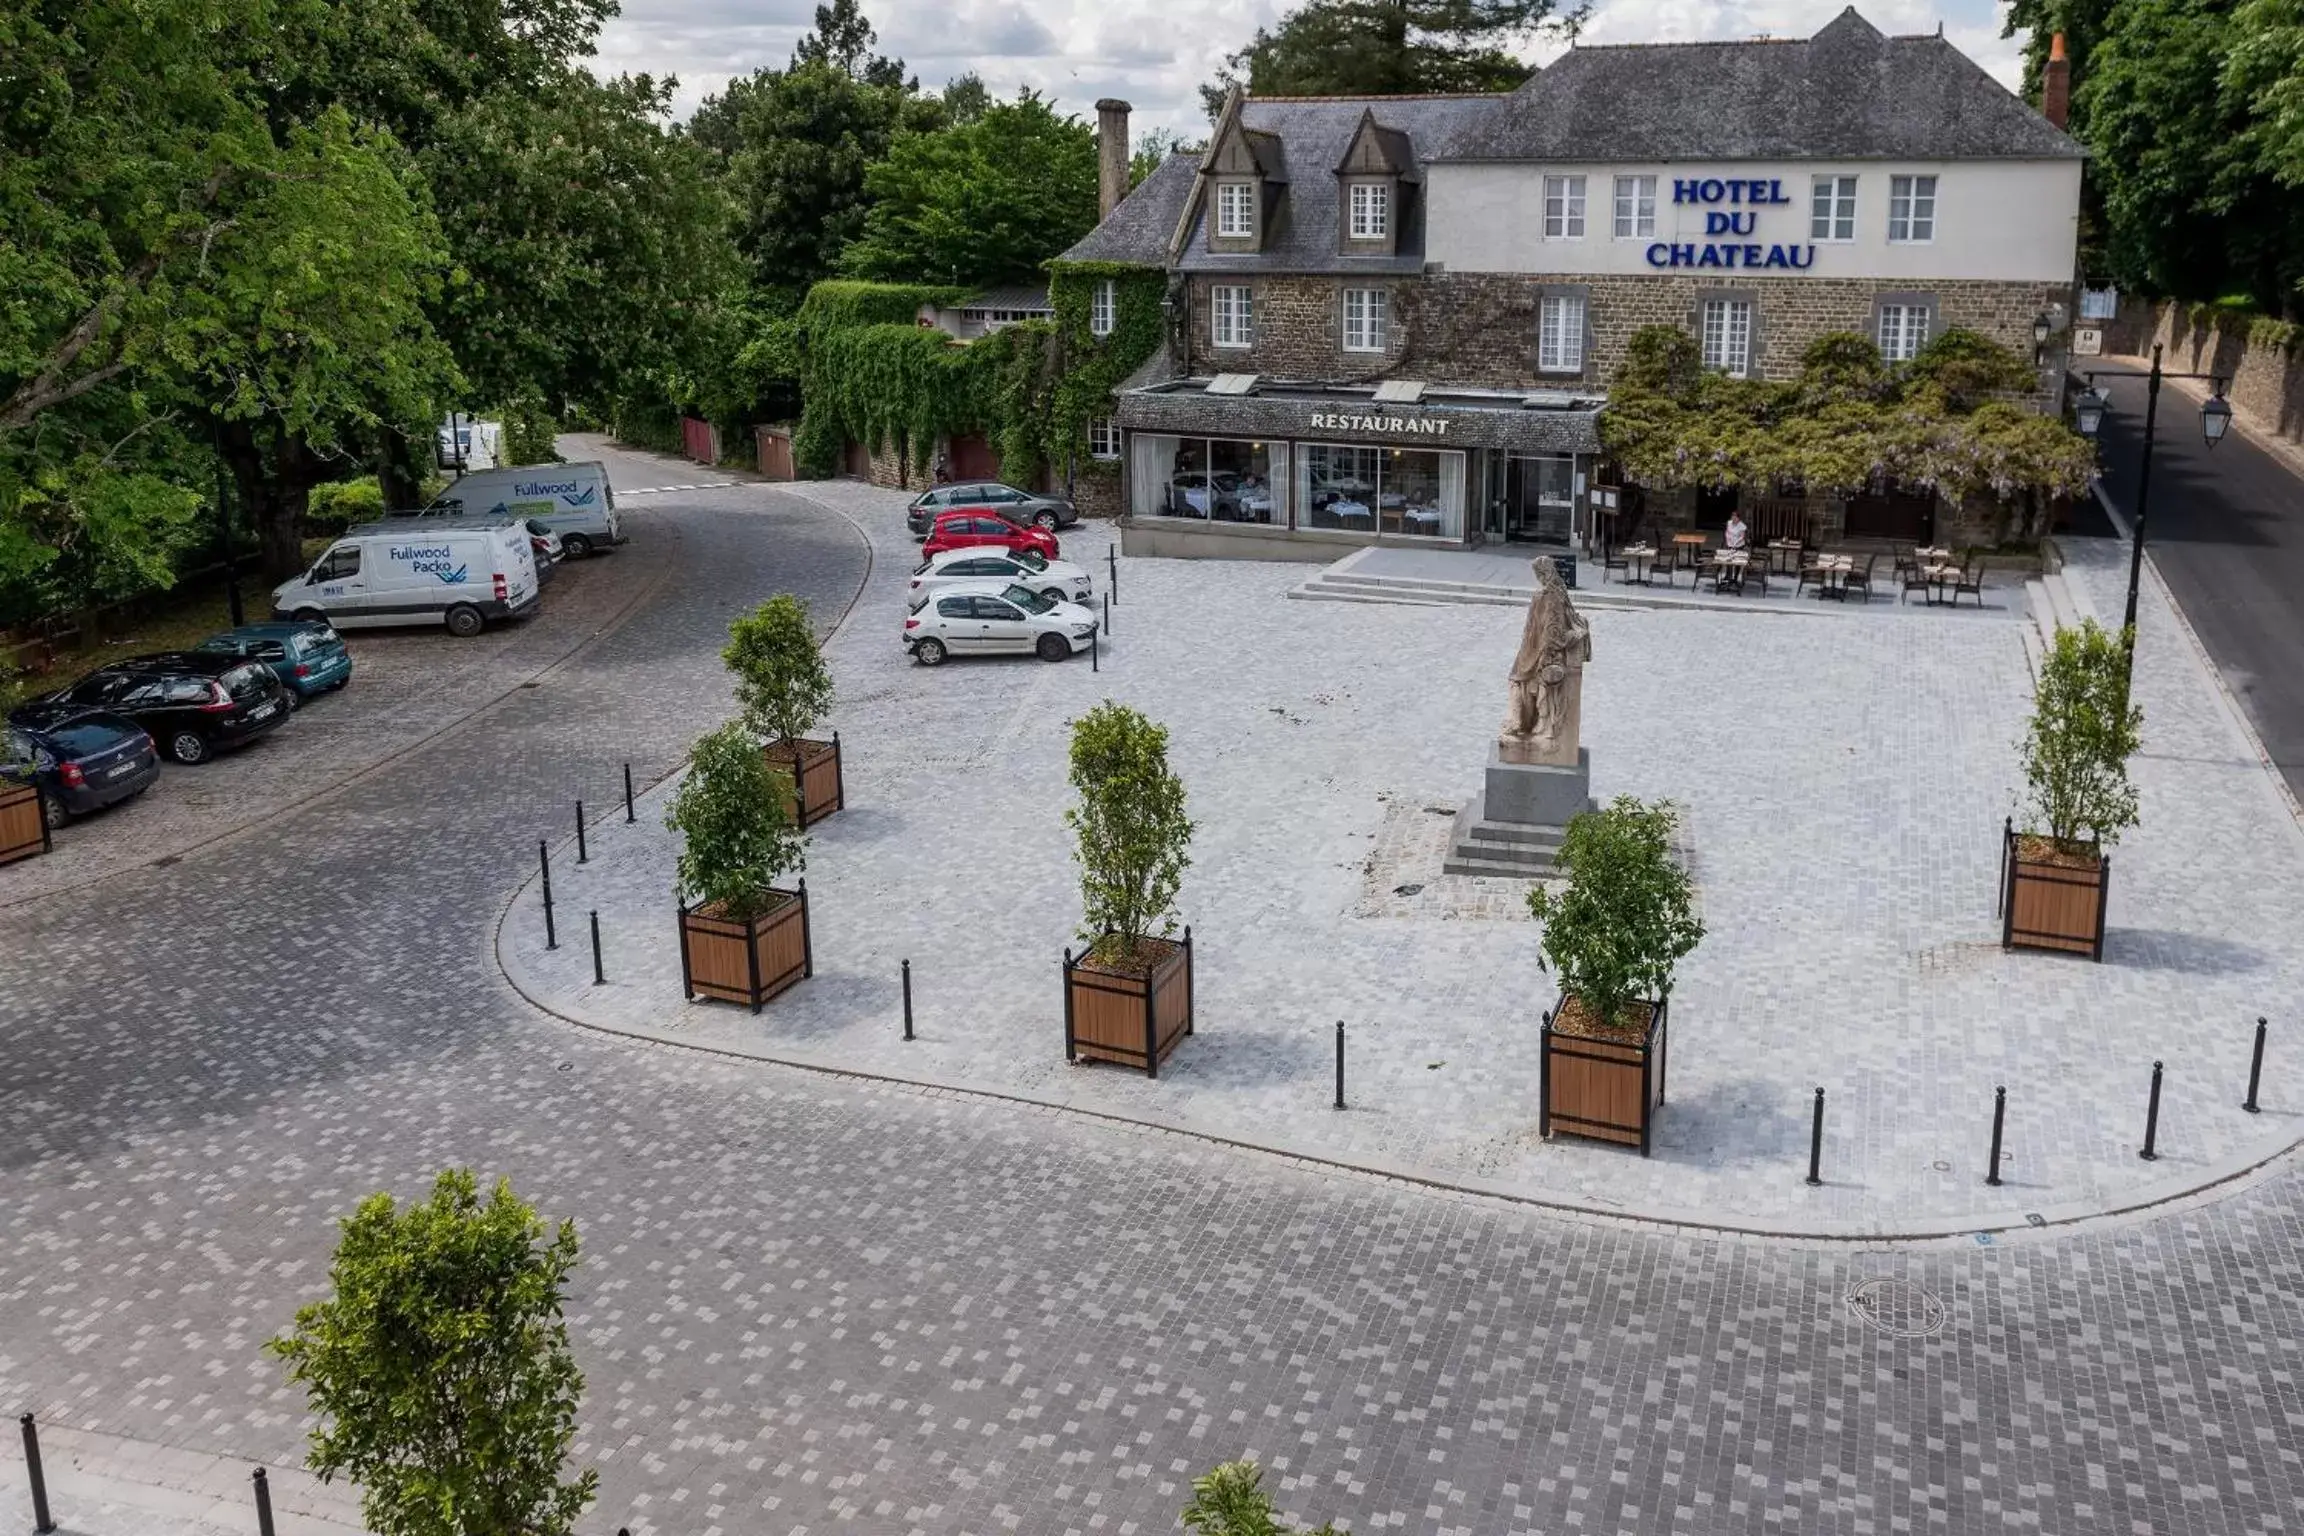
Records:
x=751, y=961
x=23, y=830
x=1608, y=1090
x=2051, y=906
x=1133, y=1020
x=813, y=787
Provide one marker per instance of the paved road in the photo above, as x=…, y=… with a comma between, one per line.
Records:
x=2226, y=529
x=810, y=1305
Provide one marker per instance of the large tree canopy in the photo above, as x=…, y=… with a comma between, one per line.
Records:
x=987, y=201
x=1385, y=47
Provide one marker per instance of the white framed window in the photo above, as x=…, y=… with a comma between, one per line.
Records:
x=1232, y=318
x=1563, y=207
x=1371, y=210
x=1366, y=319
x=1103, y=438
x=1832, y=208
x=1727, y=336
x=1560, y=333
x=1103, y=305
x=1235, y=209
x=1903, y=331
x=1911, y=210
x=1635, y=207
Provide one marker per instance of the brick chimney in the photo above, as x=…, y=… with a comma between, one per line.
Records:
x=1111, y=156
x=2056, y=83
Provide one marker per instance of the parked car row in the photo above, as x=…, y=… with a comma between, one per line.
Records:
x=990, y=586
x=1045, y=512
x=99, y=741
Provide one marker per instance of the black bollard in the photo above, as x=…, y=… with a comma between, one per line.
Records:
x=544, y=858
x=907, y=999
x=629, y=818
x=263, y=1503
x=2151, y=1152
x=1112, y=560
x=1094, y=663
x=1339, y=1063
x=599, y=978
x=1107, y=613
x=582, y=856
x=42, y=1521
x=2255, y=1070
x=1999, y=1114
x=1816, y=1142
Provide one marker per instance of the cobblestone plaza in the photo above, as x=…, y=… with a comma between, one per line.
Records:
x=815, y=1302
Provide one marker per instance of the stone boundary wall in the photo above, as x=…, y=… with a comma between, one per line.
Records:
x=2267, y=389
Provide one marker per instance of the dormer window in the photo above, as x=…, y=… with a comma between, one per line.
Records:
x=1371, y=210
x=1236, y=210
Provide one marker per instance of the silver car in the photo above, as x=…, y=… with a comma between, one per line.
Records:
x=993, y=619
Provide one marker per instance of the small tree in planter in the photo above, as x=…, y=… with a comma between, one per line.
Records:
x=784, y=689
x=1613, y=935
x=1129, y=997
x=742, y=938
x=2075, y=754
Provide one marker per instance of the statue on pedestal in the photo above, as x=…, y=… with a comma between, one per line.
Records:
x=1545, y=719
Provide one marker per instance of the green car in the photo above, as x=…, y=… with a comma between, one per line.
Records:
x=307, y=658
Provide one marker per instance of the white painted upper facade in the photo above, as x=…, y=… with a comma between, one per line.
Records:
x=1993, y=220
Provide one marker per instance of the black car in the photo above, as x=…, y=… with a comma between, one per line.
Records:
x=193, y=703
x=1050, y=512
x=82, y=761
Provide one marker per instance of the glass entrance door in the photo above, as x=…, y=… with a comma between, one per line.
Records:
x=1540, y=500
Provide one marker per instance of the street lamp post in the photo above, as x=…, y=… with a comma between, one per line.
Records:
x=2215, y=420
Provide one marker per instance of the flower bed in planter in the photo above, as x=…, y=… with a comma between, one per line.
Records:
x=1131, y=1014
x=811, y=774
x=2050, y=899
x=747, y=960
x=23, y=829
x=1605, y=1086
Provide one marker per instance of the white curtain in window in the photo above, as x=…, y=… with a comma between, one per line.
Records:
x=1151, y=463
x=1452, y=495
x=1283, y=504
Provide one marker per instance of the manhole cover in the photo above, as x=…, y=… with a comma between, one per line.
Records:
x=1898, y=1308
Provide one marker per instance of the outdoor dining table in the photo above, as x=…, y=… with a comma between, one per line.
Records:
x=1926, y=556
x=1937, y=576
x=1834, y=569
x=1783, y=555
x=1638, y=558
x=1686, y=547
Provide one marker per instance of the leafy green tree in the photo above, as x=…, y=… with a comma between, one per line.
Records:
x=966, y=99
x=1229, y=1500
x=2082, y=732
x=1133, y=837
x=2265, y=67
x=782, y=684
x=986, y=202
x=440, y=1369
x=736, y=836
x=1153, y=148
x=843, y=41
x=1627, y=915
x=1386, y=47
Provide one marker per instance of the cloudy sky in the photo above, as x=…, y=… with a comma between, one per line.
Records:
x=1157, y=53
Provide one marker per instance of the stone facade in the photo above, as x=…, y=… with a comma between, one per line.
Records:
x=2265, y=378
x=1480, y=328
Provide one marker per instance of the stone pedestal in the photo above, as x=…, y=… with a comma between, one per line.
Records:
x=1514, y=827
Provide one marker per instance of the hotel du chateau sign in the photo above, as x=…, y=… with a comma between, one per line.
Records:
x=1732, y=206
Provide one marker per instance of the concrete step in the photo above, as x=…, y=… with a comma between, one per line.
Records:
x=1467, y=589
x=1458, y=864
x=2067, y=611
x=1321, y=591
x=1511, y=832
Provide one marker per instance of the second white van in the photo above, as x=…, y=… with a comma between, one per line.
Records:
x=573, y=500
x=418, y=571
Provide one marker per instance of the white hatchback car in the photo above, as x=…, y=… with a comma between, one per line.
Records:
x=1057, y=579
x=989, y=618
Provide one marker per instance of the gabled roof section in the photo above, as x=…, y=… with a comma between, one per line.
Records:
x=1848, y=93
x=1376, y=150
x=1138, y=230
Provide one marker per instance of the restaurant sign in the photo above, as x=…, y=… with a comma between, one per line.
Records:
x=1411, y=426
x=1732, y=207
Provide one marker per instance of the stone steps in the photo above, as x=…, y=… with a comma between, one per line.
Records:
x=1336, y=586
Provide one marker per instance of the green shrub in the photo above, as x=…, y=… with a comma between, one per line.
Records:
x=531, y=436
x=736, y=839
x=1627, y=915
x=1133, y=835
x=338, y=505
x=1230, y=1501
x=782, y=684
x=2082, y=733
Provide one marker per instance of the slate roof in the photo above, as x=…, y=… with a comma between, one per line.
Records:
x=1138, y=229
x=1848, y=93
x=1010, y=298
x=1317, y=132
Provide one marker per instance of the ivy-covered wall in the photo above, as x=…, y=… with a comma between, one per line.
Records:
x=871, y=374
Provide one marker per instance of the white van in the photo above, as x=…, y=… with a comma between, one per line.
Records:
x=573, y=500
x=460, y=574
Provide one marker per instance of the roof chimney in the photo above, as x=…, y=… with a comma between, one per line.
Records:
x=2056, y=83
x=1111, y=156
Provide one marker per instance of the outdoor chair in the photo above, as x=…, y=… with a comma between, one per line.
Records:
x=1810, y=574
x=1755, y=570
x=1971, y=580
x=1612, y=559
x=1907, y=564
x=1860, y=578
x=1914, y=579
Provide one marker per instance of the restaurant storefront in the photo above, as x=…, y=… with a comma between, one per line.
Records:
x=1269, y=463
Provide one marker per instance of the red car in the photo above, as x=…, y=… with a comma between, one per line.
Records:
x=970, y=526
